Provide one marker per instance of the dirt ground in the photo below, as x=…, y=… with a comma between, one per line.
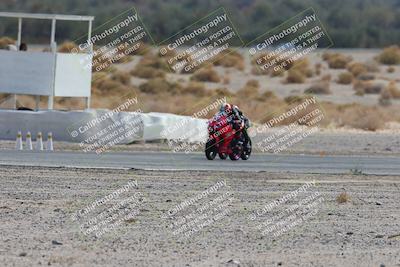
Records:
x=41, y=225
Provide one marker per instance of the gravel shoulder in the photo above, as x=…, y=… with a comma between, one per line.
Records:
x=38, y=206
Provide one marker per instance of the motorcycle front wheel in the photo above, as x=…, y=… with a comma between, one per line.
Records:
x=211, y=149
x=246, y=151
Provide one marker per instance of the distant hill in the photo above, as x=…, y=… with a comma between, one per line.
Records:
x=351, y=23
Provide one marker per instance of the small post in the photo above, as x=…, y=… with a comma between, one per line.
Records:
x=37, y=104
x=50, y=102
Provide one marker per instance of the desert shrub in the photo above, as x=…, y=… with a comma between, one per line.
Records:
x=159, y=86
x=372, y=66
x=368, y=87
x=366, y=77
x=318, y=67
x=356, y=68
x=321, y=87
x=343, y=198
x=146, y=72
x=253, y=83
x=266, y=96
x=221, y=92
x=122, y=77
x=248, y=92
x=326, y=78
x=391, y=69
x=5, y=41
x=345, y=78
x=195, y=88
x=385, y=98
x=205, y=75
x=226, y=80
x=295, y=76
x=393, y=90
x=365, y=118
x=230, y=58
x=108, y=85
x=390, y=56
x=294, y=99
x=337, y=61
x=67, y=47
x=155, y=62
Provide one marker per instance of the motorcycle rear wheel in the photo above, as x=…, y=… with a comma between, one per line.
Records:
x=222, y=155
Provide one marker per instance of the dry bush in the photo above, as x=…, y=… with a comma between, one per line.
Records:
x=253, y=83
x=67, y=47
x=390, y=56
x=366, y=77
x=368, y=87
x=221, y=92
x=393, y=90
x=372, y=66
x=326, y=78
x=391, y=69
x=226, y=79
x=294, y=99
x=206, y=75
x=319, y=88
x=345, y=78
x=155, y=62
x=122, y=77
x=365, y=118
x=146, y=72
x=5, y=41
x=295, y=76
x=266, y=96
x=385, y=98
x=318, y=67
x=336, y=60
x=230, y=59
x=196, y=89
x=248, y=92
x=343, y=198
x=357, y=68
x=107, y=86
x=160, y=86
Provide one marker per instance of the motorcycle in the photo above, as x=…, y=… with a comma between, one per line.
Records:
x=226, y=140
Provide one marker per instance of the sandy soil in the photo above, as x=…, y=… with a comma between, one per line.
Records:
x=38, y=204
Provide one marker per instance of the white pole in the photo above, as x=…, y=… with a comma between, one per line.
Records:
x=53, y=46
x=53, y=35
x=18, y=45
x=19, y=32
x=90, y=51
x=90, y=36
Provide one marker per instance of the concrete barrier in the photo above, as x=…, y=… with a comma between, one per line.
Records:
x=65, y=125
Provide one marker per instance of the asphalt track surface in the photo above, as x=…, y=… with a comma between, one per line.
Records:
x=380, y=165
